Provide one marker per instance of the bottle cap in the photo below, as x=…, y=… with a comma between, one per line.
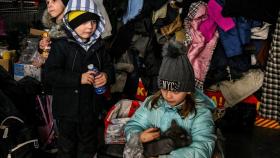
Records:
x=90, y=66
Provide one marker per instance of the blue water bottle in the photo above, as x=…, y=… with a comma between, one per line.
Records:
x=99, y=90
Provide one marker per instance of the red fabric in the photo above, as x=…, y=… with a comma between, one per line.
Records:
x=134, y=106
x=107, y=119
x=251, y=100
x=216, y=96
x=219, y=99
x=141, y=93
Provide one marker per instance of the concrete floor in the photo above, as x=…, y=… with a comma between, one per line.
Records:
x=258, y=143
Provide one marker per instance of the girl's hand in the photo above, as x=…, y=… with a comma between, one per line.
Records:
x=100, y=80
x=44, y=42
x=87, y=78
x=149, y=134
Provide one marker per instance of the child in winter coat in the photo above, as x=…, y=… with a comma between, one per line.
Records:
x=74, y=97
x=177, y=100
x=52, y=17
x=52, y=20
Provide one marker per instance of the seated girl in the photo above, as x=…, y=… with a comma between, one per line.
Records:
x=179, y=100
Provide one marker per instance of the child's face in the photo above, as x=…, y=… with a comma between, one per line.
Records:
x=85, y=30
x=173, y=98
x=55, y=8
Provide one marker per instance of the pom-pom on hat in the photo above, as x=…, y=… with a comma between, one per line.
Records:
x=78, y=17
x=176, y=72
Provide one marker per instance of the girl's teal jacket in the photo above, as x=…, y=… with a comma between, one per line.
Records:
x=200, y=126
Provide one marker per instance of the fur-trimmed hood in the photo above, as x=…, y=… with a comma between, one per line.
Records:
x=56, y=30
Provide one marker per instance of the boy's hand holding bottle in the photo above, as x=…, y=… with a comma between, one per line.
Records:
x=95, y=78
x=100, y=80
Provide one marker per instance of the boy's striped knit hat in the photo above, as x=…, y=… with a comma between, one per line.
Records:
x=78, y=17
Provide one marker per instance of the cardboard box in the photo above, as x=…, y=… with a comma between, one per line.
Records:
x=36, y=32
x=5, y=64
x=22, y=70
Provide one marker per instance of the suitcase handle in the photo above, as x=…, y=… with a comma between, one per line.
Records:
x=34, y=141
x=11, y=117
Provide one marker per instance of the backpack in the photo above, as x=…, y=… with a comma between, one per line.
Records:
x=16, y=139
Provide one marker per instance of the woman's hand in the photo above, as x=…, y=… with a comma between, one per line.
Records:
x=100, y=80
x=149, y=134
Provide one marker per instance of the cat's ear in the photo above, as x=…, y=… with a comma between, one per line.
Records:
x=174, y=123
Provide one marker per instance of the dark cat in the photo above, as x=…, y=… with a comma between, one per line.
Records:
x=173, y=138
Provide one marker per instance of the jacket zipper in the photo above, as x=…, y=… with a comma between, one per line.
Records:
x=74, y=60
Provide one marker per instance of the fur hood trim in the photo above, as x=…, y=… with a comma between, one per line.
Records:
x=47, y=20
x=56, y=30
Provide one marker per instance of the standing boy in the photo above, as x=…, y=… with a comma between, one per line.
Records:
x=74, y=98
